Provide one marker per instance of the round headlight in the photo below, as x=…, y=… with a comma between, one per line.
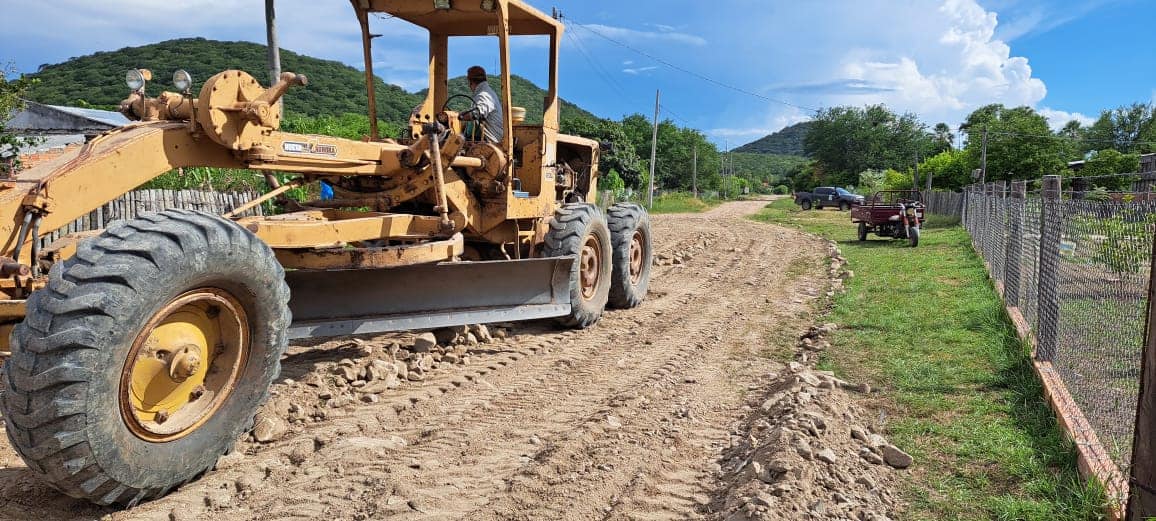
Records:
x=182, y=80
x=134, y=79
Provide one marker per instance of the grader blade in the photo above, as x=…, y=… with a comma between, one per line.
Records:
x=424, y=296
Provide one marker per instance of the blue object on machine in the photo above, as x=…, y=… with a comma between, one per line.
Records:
x=521, y=195
x=326, y=191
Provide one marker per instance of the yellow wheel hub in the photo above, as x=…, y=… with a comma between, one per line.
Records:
x=183, y=364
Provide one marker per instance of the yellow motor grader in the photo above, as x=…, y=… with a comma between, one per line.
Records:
x=140, y=353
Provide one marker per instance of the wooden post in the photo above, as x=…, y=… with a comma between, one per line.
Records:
x=1142, y=493
x=1015, y=218
x=1048, y=295
x=694, y=173
x=653, y=149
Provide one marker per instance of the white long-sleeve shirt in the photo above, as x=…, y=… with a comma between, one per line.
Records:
x=490, y=111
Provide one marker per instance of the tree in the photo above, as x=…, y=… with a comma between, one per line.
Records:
x=949, y=169
x=1123, y=128
x=1020, y=145
x=1105, y=164
x=943, y=137
x=850, y=140
x=12, y=94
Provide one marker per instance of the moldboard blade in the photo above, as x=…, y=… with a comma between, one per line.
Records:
x=424, y=296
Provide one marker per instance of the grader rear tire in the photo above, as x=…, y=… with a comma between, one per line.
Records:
x=579, y=230
x=632, y=244
x=146, y=356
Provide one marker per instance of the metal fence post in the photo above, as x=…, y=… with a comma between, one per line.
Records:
x=1142, y=493
x=1048, y=313
x=1015, y=217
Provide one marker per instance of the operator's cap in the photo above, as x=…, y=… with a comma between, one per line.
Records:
x=476, y=73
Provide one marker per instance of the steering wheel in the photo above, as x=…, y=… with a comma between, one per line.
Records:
x=473, y=104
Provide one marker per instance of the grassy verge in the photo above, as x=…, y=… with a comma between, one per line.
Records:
x=681, y=203
x=926, y=327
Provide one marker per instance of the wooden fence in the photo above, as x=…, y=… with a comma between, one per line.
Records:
x=944, y=203
x=132, y=204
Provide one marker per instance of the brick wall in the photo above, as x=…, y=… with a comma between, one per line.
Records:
x=40, y=156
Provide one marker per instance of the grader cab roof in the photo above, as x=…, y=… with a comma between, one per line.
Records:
x=466, y=18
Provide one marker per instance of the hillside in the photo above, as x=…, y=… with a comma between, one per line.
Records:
x=767, y=168
x=788, y=141
x=334, y=88
x=98, y=79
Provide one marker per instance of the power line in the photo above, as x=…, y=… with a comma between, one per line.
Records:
x=606, y=77
x=610, y=81
x=1071, y=138
x=692, y=73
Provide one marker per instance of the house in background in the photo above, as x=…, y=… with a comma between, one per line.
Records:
x=1144, y=182
x=56, y=129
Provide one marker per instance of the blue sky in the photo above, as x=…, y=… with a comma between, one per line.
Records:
x=938, y=58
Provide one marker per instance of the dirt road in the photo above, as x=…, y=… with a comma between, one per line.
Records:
x=626, y=420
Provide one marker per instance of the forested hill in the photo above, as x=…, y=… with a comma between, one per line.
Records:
x=788, y=141
x=334, y=88
x=98, y=79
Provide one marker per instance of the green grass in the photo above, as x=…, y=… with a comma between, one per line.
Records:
x=679, y=202
x=925, y=326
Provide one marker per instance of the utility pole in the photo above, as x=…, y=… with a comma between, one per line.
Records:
x=274, y=50
x=983, y=159
x=725, y=167
x=694, y=173
x=653, y=150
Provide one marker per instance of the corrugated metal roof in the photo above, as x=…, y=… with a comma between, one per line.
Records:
x=107, y=117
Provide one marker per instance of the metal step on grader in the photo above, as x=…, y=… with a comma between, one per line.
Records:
x=139, y=355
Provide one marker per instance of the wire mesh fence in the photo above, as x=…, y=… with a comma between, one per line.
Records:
x=1078, y=273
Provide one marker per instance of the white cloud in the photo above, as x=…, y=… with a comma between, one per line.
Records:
x=774, y=123
x=939, y=59
x=1041, y=18
x=633, y=36
x=330, y=33
x=1058, y=118
x=958, y=66
x=639, y=70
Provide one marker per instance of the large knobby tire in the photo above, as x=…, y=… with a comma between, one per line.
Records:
x=913, y=235
x=86, y=401
x=806, y=204
x=633, y=251
x=578, y=230
x=862, y=231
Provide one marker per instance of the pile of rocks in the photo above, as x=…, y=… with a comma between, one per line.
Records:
x=687, y=251
x=808, y=452
x=379, y=368
x=837, y=272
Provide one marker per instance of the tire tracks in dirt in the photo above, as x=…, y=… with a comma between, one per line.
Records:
x=620, y=421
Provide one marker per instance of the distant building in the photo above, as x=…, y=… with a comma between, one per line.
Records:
x=56, y=128
x=1147, y=164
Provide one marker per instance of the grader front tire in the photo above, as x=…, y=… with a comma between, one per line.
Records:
x=146, y=356
x=579, y=230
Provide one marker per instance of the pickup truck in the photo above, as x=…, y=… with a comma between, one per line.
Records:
x=825, y=196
